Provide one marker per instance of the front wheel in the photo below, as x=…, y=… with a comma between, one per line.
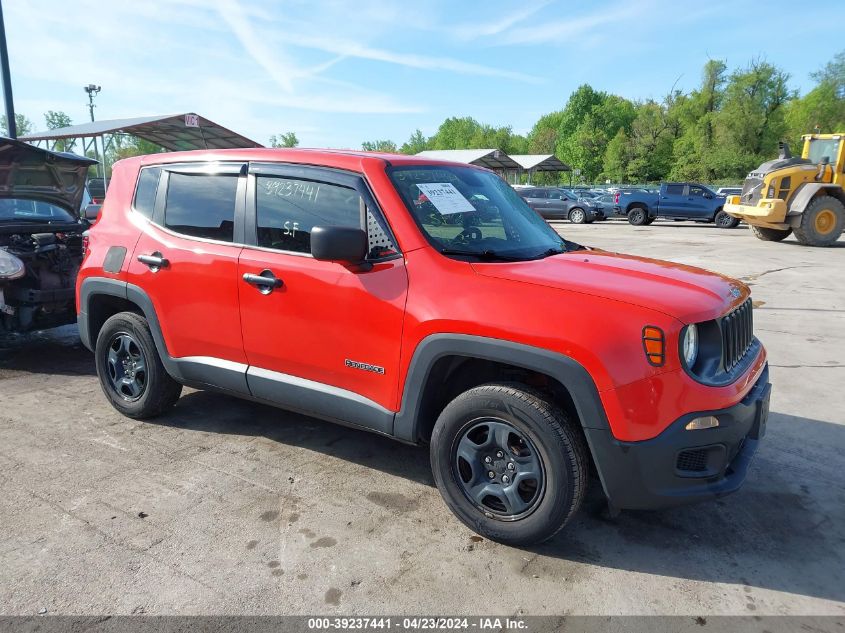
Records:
x=577, y=215
x=130, y=370
x=509, y=463
x=725, y=221
x=637, y=216
x=770, y=235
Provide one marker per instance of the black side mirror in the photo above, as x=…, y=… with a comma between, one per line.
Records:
x=92, y=211
x=341, y=244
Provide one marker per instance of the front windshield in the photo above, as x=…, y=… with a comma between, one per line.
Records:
x=23, y=210
x=819, y=148
x=466, y=211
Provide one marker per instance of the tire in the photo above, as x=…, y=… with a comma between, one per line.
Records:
x=821, y=223
x=649, y=221
x=770, y=235
x=577, y=215
x=539, y=438
x=638, y=216
x=140, y=388
x=724, y=220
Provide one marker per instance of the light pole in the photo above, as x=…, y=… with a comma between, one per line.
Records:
x=92, y=90
x=7, y=80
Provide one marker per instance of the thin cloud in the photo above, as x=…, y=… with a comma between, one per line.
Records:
x=559, y=31
x=488, y=29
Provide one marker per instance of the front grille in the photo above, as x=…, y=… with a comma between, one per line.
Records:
x=737, y=334
x=692, y=461
x=752, y=191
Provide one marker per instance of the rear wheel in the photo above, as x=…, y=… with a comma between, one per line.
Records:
x=725, y=221
x=130, y=370
x=770, y=235
x=509, y=463
x=637, y=216
x=822, y=222
x=577, y=215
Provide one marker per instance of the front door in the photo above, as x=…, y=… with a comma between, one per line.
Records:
x=320, y=337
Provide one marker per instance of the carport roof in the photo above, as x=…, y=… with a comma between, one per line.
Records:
x=540, y=162
x=489, y=158
x=174, y=132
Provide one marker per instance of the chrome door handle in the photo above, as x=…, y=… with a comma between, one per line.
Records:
x=155, y=262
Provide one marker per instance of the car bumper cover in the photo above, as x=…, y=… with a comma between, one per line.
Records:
x=680, y=466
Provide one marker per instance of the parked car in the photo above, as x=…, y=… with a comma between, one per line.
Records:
x=97, y=189
x=555, y=203
x=41, y=242
x=328, y=290
x=605, y=204
x=675, y=201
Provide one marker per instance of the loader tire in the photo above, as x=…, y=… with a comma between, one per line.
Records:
x=821, y=223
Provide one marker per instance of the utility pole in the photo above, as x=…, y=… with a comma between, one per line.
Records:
x=92, y=90
x=7, y=80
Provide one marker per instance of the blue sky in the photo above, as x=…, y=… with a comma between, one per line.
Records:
x=338, y=73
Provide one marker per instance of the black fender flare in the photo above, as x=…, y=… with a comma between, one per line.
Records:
x=567, y=371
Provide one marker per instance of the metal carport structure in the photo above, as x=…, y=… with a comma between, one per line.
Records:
x=173, y=132
x=532, y=163
x=493, y=159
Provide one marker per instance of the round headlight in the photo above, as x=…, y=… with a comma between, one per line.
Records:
x=10, y=266
x=690, y=345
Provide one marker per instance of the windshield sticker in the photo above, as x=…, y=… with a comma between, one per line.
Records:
x=446, y=199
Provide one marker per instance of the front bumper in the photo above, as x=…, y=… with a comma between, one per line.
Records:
x=680, y=466
x=770, y=212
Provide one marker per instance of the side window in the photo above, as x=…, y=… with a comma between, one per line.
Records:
x=145, y=192
x=674, y=190
x=538, y=193
x=556, y=195
x=287, y=209
x=696, y=191
x=201, y=205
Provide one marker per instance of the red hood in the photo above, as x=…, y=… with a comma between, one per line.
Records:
x=684, y=292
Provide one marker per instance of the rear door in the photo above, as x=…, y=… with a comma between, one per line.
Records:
x=673, y=201
x=186, y=259
x=536, y=198
x=324, y=328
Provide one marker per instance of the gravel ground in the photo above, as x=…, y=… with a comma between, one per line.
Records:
x=225, y=506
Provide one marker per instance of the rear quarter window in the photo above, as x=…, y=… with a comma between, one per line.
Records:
x=145, y=192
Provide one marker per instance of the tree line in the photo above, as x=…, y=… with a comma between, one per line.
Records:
x=718, y=132
x=715, y=133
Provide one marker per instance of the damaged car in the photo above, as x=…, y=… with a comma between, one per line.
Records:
x=41, y=235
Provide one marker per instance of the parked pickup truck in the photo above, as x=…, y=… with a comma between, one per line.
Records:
x=322, y=282
x=675, y=201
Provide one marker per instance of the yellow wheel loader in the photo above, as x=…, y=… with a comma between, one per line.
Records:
x=804, y=196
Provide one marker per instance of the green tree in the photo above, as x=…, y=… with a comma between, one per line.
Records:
x=56, y=120
x=823, y=107
x=416, y=144
x=287, y=139
x=23, y=125
x=388, y=147
x=455, y=133
x=616, y=158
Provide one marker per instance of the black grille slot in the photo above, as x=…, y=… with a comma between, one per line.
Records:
x=692, y=461
x=752, y=191
x=737, y=334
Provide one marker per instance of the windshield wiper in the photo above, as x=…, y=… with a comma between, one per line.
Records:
x=488, y=255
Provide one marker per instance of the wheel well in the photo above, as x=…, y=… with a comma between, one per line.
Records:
x=101, y=307
x=452, y=375
x=636, y=205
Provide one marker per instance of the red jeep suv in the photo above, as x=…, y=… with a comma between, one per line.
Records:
x=425, y=301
